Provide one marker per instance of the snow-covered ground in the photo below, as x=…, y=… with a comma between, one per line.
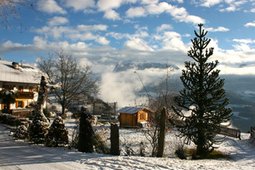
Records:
x=18, y=155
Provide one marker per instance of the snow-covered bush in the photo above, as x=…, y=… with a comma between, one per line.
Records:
x=9, y=119
x=57, y=134
x=38, y=128
x=21, y=132
x=100, y=145
x=180, y=153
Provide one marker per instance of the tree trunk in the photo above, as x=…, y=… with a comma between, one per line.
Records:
x=115, y=150
x=201, y=151
x=63, y=110
x=8, y=107
x=162, y=131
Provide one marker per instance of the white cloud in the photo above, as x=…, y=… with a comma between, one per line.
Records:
x=105, y=5
x=172, y=41
x=210, y=3
x=231, y=8
x=125, y=86
x=181, y=14
x=138, y=44
x=243, y=51
x=78, y=5
x=164, y=27
x=12, y=46
x=157, y=8
x=173, y=50
x=250, y=24
x=149, y=7
x=54, y=31
x=135, y=12
x=233, y=5
x=149, y=1
x=118, y=36
x=57, y=21
x=191, y=19
x=111, y=14
x=83, y=36
x=102, y=40
x=244, y=45
x=108, y=7
x=226, y=69
x=218, y=29
x=244, y=41
x=252, y=10
x=77, y=49
x=224, y=5
x=141, y=33
x=179, y=1
x=50, y=6
x=178, y=13
x=39, y=43
x=97, y=27
x=80, y=32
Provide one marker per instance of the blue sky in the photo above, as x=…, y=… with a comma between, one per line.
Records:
x=101, y=33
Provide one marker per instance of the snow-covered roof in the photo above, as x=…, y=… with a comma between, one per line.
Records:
x=21, y=74
x=130, y=110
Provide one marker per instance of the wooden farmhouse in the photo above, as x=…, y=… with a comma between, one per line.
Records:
x=134, y=116
x=21, y=80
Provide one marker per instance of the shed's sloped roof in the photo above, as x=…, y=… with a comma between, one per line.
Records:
x=130, y=110
x=24, y=74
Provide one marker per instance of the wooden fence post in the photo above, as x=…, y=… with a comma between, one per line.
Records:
x=115, y=149
x=162, y=131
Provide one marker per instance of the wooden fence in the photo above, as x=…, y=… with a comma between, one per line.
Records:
x=252, y=135
x=236, y=133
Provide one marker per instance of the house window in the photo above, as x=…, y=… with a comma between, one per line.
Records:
x=21, y=88
x=142, y=116
x=31, y=89
x=20, y=104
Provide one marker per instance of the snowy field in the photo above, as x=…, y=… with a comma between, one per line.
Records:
x=18, y=155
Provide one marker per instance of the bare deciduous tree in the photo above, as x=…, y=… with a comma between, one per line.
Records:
x=9, y=9
x=73, y=81
x=161, y=104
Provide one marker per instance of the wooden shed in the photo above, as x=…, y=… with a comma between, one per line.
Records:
x=134, y=116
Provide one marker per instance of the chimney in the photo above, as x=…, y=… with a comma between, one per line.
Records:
x=15, y=65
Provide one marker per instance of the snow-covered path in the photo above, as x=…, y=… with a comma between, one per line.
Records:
x=22, y=156
x=19, y=155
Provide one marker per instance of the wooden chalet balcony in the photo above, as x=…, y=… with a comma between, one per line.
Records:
x=25, y=95
x=24, y=112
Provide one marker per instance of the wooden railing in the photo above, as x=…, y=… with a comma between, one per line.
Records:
x=252, y=135
x=21, y=112
x=236, y=133
x=25, y=95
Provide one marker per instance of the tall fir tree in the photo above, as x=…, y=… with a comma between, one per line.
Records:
x=203, y=96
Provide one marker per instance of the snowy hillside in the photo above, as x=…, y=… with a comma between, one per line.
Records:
x=124, y=66
x=22, y=156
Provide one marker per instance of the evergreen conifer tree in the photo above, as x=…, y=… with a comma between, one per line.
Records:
x=203, y=96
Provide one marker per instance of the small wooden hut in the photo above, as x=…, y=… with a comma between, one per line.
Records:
x=134, y=116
